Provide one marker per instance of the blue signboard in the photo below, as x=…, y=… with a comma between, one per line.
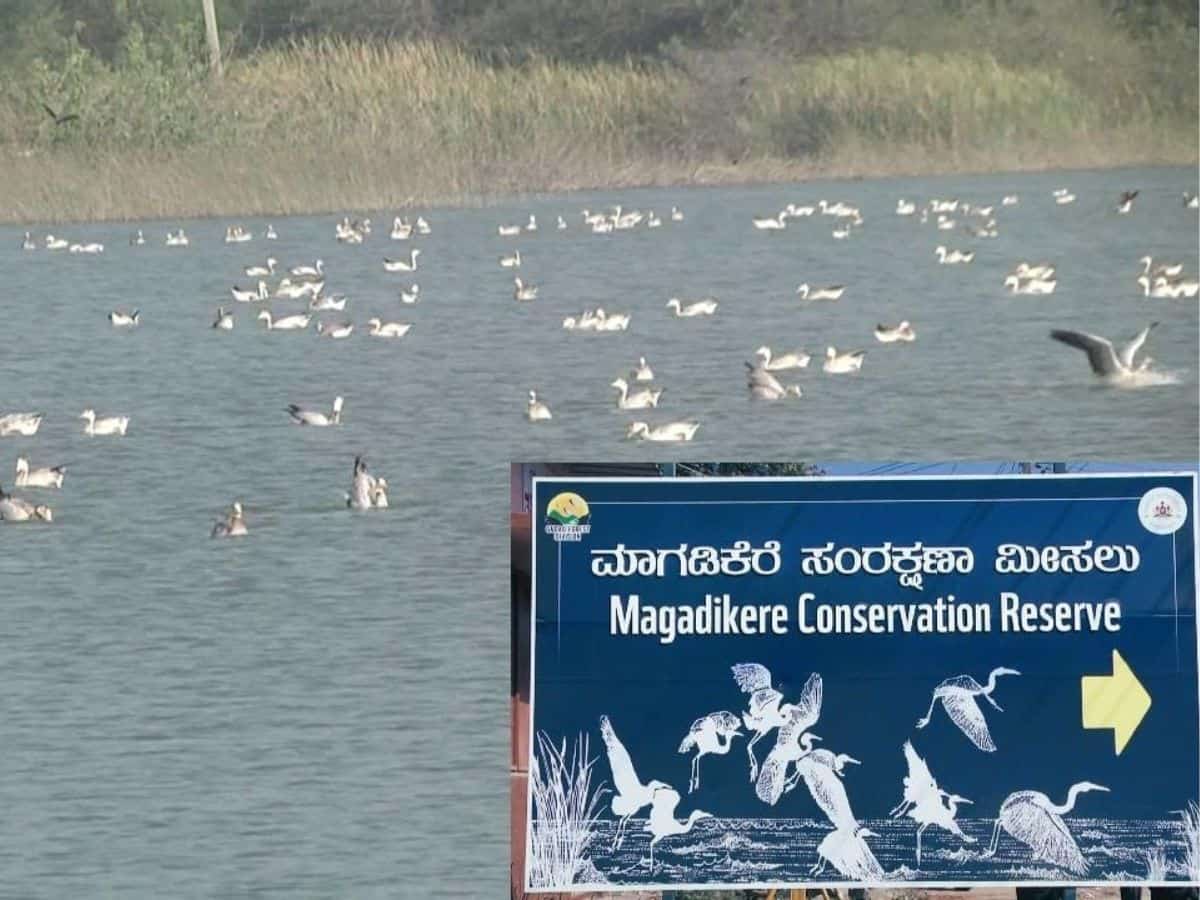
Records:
x=925, y=681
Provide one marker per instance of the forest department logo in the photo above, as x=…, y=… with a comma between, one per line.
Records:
x=567, y=516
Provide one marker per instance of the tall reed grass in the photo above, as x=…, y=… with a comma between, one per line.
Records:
x=566, y=807
x=330, y=125
x=1190, y=822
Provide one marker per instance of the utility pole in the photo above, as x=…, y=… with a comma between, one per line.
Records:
x=214, y=39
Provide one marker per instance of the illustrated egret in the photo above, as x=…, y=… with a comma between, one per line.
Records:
x=958, y=697
x=773, y=779
x=821, y=772
x=705, y=737
x=1032, y=819
x=662, y=821
x=765, y=713
x=923, y=800
x=847, y=851
x=630, y=795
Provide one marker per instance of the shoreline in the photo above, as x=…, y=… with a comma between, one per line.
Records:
x=184, y=189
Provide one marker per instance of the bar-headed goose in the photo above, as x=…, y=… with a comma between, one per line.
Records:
x=177, y=239
x=523, y=291
x=51, y=476
x=121, y=319
x=336, y=332
x=536, y=410
x=262, y=271
x=54, y=243
x=106, y=425
x=833, y=292
x=27, y=243
x=953, y=257
x=643, y=372
x=316, y=270
x=699, y=308
x=400, y=265
x=643, y=399
x=15, y=509
x=765, y=386
x=671, y=432
x=412, y=295
x=327, y=304
x=234, y=523
x=250, y=295
x=837, y=363
x=297, y=322
x=224, y=320
x=270, y=234
x=886, y=334
x=92, y=248
x=319, y=419
x=1125, y=203
x=24, y=424
x=777, y=222
x=511, y=261
x=531, y=225
x=772, y=363
x=382, y=329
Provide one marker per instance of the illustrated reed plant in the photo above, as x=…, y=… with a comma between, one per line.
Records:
x=1190, y=822
x=566, y=805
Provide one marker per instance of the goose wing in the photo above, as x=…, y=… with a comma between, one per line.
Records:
x=1101, y=355
x=1130, y=350
x=966, y=714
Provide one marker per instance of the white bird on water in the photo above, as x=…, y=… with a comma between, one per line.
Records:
x=1035, y=821
x=772, y=363
x=886, y=334
x=339, y=331
x=24, y=424
x=249, y=296
x=840, y=363
x=536, y=410
x=629, y=794
x=646, y=398
x=670, y=433
x=44, y=477
x=379, y=328
x=108, y=425
x=1116, y=367
x=923, y=801
x=412, y=295
x=833, y=292
x=953, y=257
x=234, y=523
x=297, y=322
x=765, y=386
x=328, y=304
x=511, y=261
x=523, y=291
x=699, y=308
x=643, y=372
x=771, y=223
x=366, y=491
x=262, y=271
x=662, y=822
x=224, y=320
x=316, y=270
x=312, y=417
x=705, y=738
x=121, y=319
x=400, y=265
x=958, y=699
x=15, y=509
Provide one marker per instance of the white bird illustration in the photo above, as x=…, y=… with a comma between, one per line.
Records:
x=923, y=800
x=312, y=417
x=1106, y=362
x=1032, y=819
x=629, y=794
x=958, y=698
x=773, y=778
x=705, y=737
x=765, y=713
x=234, y=523
x=44, y=477
x=821, y=771
x=662, y=822
x=847, y=851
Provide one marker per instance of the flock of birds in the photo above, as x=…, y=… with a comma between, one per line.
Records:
x=1028, y=816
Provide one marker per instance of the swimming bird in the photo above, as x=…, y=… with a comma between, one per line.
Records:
x=833, y=292
x=958, y=699
x=1191, y=201
x=699, y=308
x=1106, y=362
x=336, y=332
x=234, y=523
x=236, y=234
x=327, y=304
x=177, y=239
x=270, y=234
x=108, y=425
x=1159, y=289
x=319, y=419
x=511, y=261
x=653, y=221
x=536, y=410
x=137, y=239
x=249, y=296
x=953, y=257
x=531, y=225
x=296, y=322
x=401, y=231
x=643, y=372
x=54, y=243
x=262, y=271
x=676, y=214
x=91, y=248
x=1036, y=270
x=362, y=487
x=24, y=424
x=400, y=265
x=662, y=822
x=44, y=477
x=643, y=399
x=15, y=509
x=847, y=851
x=1170, y=270
x=224, y=320
x=423, y=227
x=629, y=794
x=772, y=363
x=610, y=321
x=905, y=208
x=1064, y=198
x=379, y=328
x=523, y=291
x=886, y=334
x=705, y=738
x=1174, y=288
x=670, y=433
x=841, y=232
x=316, y=270
x=27, y=243
x=838, y=363
x=771, y=223
x=1035, y=821
x=125, y=320
x=1032, y=286
x=1125, y=204
x=379, y=495
x=923, y=800
x=1010, y=200
x=412, y=295
x=296, y=290
x=765, y=386
x=561, y=224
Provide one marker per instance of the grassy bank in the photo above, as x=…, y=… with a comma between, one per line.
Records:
x=333, y=125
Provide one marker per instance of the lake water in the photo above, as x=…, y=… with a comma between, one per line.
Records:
x=321, y=710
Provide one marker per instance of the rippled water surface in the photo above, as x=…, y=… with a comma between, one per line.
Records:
x=321, y=710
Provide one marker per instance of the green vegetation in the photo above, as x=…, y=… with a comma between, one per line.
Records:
x=534, y=95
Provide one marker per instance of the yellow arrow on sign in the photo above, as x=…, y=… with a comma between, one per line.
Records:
x=1117, y=701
